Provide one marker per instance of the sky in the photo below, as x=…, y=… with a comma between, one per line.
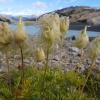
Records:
x=38, y=7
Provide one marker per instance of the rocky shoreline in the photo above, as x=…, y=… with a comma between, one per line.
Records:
x=67, y=58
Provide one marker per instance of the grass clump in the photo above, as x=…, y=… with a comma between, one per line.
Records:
x=56, y=85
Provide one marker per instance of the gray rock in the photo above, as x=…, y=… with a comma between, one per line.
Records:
x=97, y=61
x=74, y=49
x=55, y=58
x=73, y=54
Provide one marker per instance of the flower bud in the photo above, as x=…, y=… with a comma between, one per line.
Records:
x=40, y=55
x=5, y=34
x=64, y=24
x=82, y=39
x=56, y=27
x=94, y=48
x=20, y=35
x=48, y=35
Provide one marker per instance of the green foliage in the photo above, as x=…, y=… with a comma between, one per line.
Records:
x=74, y=78
x=5, y=93
x=55, y=85
x=93, y=86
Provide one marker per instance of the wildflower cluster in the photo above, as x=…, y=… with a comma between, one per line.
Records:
x=45, y=84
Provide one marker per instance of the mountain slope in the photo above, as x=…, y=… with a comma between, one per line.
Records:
x=81, y=14
x=4, y=19
x=11, y=18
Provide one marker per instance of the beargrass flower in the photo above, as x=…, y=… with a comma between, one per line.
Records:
x=82, y=39
x=94, y=48
x=64, y=24
x=40, y=55
x=93, y=52
x=56, y=26
x=20, y=39
x=50, y=27
x=20, y=35
x=47, y=35
x=5, y=35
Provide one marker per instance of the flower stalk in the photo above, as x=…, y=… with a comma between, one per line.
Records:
x=22, y=62
x=8, y=71
x=81, y=42
x=87, y=77
x=20, y=39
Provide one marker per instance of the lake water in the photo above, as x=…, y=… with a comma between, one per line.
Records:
x=34, y=30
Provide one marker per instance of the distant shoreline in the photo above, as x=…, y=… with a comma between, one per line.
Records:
x=80, y=27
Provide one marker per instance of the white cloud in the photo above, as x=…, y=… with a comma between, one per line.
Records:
x=67, y=1
x=40, y=5
x=2, y=1
x=5, y=1
x=22, y=12
x=28, y=12
x=71, y=1
x=6, y=11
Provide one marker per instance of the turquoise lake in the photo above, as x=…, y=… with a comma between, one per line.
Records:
x=34, y=30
